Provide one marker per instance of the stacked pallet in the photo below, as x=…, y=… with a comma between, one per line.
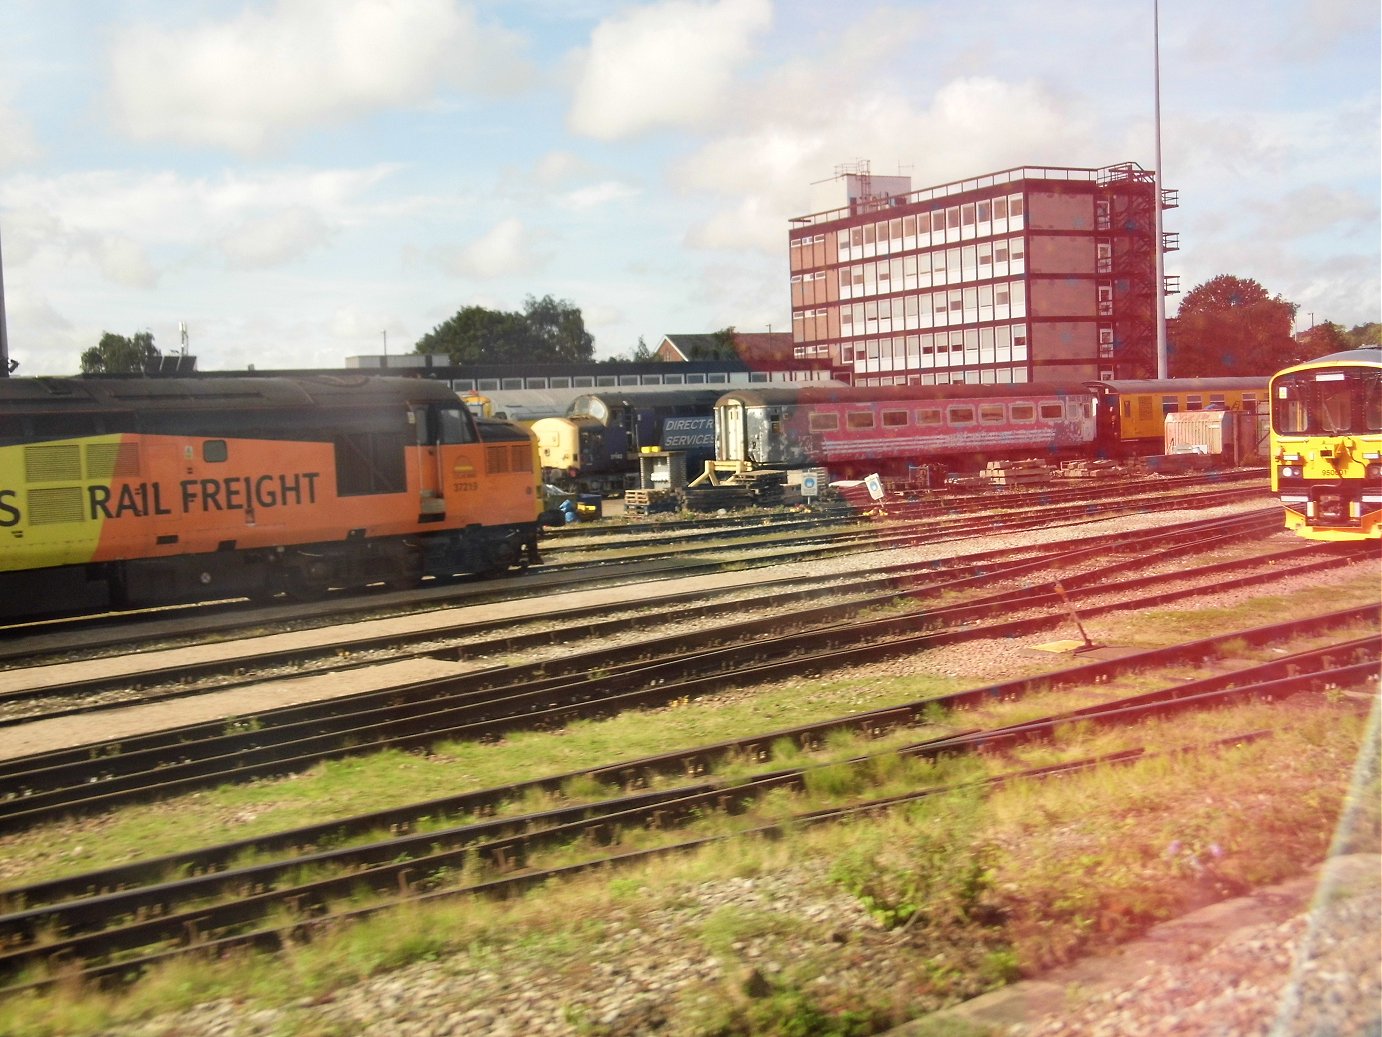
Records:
x=642, y=503
x=1017, y=473
x=1089, y=469
x=745, y=490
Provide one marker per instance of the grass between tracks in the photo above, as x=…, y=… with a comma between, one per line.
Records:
x=928, y=903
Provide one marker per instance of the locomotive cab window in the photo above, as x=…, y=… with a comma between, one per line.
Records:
x=214, y=451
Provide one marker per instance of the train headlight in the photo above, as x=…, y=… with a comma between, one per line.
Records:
x=1288, y=471
x=1374, y=470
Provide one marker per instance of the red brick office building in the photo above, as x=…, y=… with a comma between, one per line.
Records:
x=1028, y=274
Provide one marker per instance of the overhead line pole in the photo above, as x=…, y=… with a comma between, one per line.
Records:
x=1160, y=287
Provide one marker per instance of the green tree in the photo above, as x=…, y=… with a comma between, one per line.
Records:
x=1231, y=326
x=547, y=331
x=720, y=347
x=560, y=327
x=640, y=354
x=120, y=354
x=1323, y=339
x=1361, y=335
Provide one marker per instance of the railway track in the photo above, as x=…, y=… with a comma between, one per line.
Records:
x=493, y=702
x=708, y=552
x=496, y=636
x=110, y=925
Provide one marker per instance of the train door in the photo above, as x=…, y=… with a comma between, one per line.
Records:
x=438, y=426
x=730, y=430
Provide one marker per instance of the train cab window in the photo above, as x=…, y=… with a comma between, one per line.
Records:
x=214, y=451
x=452, y=426
x=894, y=418
x=859, y=419
x=1051, y=411
x=929, y=416
x=1021, y=412
x=991, y=413
x=960, y=415
x=824, y=422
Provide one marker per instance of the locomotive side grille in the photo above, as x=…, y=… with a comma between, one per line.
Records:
x=112, y=460
x=521, y=459
x=56, y=463
x=55, y=504
x=496, y=460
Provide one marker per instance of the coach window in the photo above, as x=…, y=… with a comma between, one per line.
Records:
x=1051, y=411
x=859, y=419
x=1194, y=402
x=894, y=418
x=929, y=416
x=1169, y=405
x=960, y=415
x=1021, y=412
x=214, y=451
x=990, y=413
x=824, y=422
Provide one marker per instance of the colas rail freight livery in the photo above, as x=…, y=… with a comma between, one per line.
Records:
x=146, y=490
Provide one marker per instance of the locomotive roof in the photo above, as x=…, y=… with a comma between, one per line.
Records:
x=653, y=396
x=808, y=392
x=192, y=393
x=1368, y=355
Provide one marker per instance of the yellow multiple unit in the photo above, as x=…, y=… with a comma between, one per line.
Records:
x=1141, y=405
x=1327, y=445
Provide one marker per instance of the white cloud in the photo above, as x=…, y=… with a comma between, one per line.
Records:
x=17, y=142
x=596, y=195
x=974, y=125
x=244, y=83
x=275, y=238
x=663, y=65
x=506, y=248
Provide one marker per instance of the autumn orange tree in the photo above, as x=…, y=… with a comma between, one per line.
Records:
x=1231, y=326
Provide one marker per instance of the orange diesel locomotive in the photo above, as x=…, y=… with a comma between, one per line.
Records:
x=140, y=491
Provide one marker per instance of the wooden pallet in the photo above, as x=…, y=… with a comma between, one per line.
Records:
x=1017, y=473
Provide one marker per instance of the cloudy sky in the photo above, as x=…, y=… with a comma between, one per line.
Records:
x=299, y=181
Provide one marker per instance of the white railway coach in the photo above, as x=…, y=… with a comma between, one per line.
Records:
x=887, y=429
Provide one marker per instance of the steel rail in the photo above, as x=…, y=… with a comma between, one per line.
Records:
x=85, y=764
x=184, y=676
x=28, y=645
x=550, y=828
x=535, y=704
x=640, y=772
